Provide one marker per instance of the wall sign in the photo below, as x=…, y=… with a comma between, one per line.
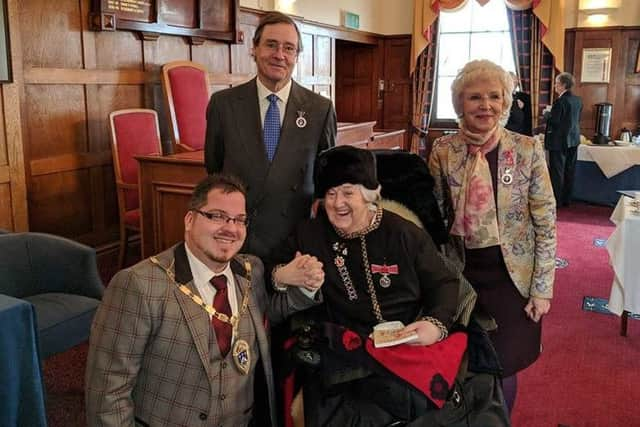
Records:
x=596, y=65
x=199, y=19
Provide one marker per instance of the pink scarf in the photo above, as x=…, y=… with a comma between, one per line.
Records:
x=476, y=218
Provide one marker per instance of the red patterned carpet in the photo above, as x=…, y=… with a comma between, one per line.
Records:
x=588, y=375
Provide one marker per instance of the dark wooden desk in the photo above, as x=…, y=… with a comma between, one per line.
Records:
x=166, y=184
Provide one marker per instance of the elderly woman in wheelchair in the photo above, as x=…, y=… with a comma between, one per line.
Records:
x=387, y=345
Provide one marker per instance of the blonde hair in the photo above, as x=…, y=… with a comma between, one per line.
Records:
x=482, y=69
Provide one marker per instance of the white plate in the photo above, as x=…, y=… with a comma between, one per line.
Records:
x=621, y=143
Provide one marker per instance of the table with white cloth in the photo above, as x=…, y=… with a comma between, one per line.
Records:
x=624, y=256
x=602, y=170
x=21, y=386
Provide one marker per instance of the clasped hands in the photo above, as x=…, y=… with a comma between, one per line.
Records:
x=304, y=271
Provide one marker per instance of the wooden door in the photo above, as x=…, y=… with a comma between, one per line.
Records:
x=358, y=68
x=396, y=112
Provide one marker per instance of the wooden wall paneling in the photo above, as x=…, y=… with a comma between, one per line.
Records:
x=629, y=90
x=95, y=143
x=172, y=48
x=51, y=33
x=241, y=60
x=14, y=213
x=6, y=205
x=591, y=93
x=60, y=203
x=621, y=91
x=214, y=55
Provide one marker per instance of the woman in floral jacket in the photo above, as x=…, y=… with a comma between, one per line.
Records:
x=494, y=188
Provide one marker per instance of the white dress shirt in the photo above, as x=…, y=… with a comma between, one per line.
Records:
x=283, y=97
x=201, y=277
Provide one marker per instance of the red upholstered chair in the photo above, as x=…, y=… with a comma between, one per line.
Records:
x=186, y=91
x=134, y=132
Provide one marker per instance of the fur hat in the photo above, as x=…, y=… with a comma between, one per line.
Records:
x=344, y=164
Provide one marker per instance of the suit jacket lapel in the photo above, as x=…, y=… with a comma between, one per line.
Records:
x=196, y=317
x=507, y=159
x=246, y=108
x=456, y=166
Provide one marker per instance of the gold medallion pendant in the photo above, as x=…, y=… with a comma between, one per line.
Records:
x=242, y=356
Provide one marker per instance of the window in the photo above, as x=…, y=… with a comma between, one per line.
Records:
x=471, y=32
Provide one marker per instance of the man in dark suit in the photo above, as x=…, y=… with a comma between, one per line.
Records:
x=182, y=338
x=562, y=138
x=269, y=141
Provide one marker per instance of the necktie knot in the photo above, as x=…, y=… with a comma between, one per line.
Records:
x=219, y=282
x=273, y=99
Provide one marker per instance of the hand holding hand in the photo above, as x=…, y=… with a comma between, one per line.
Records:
x=303, y=271
x=428, y=333
x=537, y=307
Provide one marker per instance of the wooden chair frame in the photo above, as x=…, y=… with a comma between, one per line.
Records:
x=126, y=231
x=178, y=146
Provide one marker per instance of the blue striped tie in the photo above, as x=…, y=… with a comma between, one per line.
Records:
x=271, y=130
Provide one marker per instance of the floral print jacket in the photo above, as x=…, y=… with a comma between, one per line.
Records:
x=526, y=206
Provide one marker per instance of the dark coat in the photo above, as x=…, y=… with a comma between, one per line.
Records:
x=520, y=118
x=563, y=123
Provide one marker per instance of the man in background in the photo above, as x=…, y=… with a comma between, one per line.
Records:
x=562, y=138
x=182, y=338
x=268, y=132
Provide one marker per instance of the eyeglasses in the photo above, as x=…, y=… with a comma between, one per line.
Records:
x=219, y=217
x=287, y=48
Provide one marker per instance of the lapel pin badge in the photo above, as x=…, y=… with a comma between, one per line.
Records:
x=507, y=176
x=301, y=122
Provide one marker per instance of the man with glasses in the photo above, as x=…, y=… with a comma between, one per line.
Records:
x=268, y=132
x=182, y=338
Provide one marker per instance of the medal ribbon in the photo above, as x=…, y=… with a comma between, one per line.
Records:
x=384, y=269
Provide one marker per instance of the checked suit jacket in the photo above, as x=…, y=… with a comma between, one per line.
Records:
x=150, y=360
x=280, y=192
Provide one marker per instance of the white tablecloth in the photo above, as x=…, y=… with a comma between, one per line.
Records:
x=624, y=256
x=610, y=159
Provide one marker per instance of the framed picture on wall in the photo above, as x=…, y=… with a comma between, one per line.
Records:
x=5, y=51
x=596, y=65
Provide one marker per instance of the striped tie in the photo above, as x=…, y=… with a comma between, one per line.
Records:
x=272, y=126
x=223, y=330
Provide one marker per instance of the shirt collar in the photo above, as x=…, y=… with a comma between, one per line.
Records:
x=203, y=274
x=282, y=94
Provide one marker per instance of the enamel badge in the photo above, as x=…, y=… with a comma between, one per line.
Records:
x=301, y=122
x=242, y=356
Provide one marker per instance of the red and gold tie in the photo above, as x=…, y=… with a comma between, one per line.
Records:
x=223, y=330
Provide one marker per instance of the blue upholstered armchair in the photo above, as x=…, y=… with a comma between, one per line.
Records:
x=60, y=278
